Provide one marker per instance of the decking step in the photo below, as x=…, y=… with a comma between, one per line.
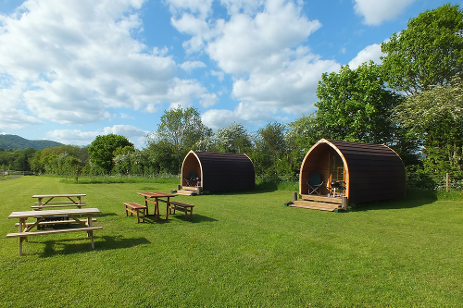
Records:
x=190, y=188
x=320, y=198
x=186, y=192
x=316, y=205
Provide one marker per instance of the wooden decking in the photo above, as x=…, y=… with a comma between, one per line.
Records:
x=318, y=202
x=188, y=191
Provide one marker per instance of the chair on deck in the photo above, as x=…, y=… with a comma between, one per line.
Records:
x=191, y=180
x=314, y=183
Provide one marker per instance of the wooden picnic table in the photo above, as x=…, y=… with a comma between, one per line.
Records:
x=157, y=196
x=25, y=229
x=72, y=200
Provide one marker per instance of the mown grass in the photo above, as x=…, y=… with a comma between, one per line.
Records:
x=240, y=250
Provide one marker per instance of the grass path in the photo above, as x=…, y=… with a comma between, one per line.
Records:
x=240, y=250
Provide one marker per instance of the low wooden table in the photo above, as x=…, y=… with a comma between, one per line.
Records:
x=25, y=229
x=158, y=196
x=72, y=200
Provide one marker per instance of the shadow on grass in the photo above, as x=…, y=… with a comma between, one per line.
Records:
x=54, y=247
x=259, y=189
x=414, y=198
x=152, y=219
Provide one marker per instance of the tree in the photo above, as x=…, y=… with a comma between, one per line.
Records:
x=103, y=150
x=435, y=118
x=182, y=127
x=429, y=52
x=179, y=132
x=301, y=135
x=269, y=152
x=355, y=105
x=233, y=139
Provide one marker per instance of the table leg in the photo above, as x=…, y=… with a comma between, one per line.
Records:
x=156, y=207
x=21, y=222
x=168, y=206
x=90, y=233
x=146, y=204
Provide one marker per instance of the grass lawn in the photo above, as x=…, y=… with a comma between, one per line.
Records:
x=240, y=250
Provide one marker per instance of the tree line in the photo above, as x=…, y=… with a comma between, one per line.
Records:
x=412, y=102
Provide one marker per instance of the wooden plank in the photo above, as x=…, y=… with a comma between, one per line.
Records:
x=184, y=193
x=190, y=188
x=58, y=205
x=27, y=214
x=63, y=202
x=315, y=205
x=321, y=198
x=58, y=195
x=25, y=234
x=181, y=204
x=54, y=222
x=134, y=205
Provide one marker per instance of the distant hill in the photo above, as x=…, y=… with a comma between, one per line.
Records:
x=18, y=143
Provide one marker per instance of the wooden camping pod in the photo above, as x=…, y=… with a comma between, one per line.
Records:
x=216, y=172
x=368, y=172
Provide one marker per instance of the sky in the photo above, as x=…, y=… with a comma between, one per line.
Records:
x=72, y=70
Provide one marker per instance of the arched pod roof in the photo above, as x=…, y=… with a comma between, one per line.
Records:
x=220, y=171
x=373, y=172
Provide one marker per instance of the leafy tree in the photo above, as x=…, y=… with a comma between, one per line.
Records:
x=435, y=118
x=182, y=127
x=103, y=150
x=429, y=52
x=270, y=152
x=179, y=131
x=233, y=139
x=22, y=159
x=301, y=135
x=355, y=105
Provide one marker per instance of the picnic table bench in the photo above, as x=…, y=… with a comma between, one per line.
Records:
x=182, y=207
x=71, y=200
x=135, y=208
x=25, y=228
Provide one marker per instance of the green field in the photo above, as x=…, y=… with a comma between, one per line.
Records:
x=240, y=250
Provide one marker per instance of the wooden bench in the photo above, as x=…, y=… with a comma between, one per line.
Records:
x=182, y=207
x=24, y=235
x=27, y=234
x=54, y=222
x=135, y=208
x=58, y=204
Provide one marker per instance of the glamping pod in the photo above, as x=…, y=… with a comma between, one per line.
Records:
x=216, y=172
x=340, y=172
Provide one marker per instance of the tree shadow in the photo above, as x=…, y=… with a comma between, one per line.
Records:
x=180, y=216
x=64, y=247
x=413, y=199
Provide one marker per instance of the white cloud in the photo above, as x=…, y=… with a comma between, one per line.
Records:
x=376, y=12
x=71, y=61
x=242, y=6
x=201, y=8
x=208, y=100
x=371, y=52
x=252, y=43
x=262, y=47
x=183, y=91
x=290, y=89
x=191, y=65
x=78, y=137
x=218, y=74
x=219, y=118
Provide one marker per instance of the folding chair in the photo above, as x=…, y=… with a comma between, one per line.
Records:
x=314, y=183
x=191, y=180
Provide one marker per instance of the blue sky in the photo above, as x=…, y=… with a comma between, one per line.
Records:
x=71, y=70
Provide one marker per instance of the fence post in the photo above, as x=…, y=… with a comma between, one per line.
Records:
x=447, y=182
